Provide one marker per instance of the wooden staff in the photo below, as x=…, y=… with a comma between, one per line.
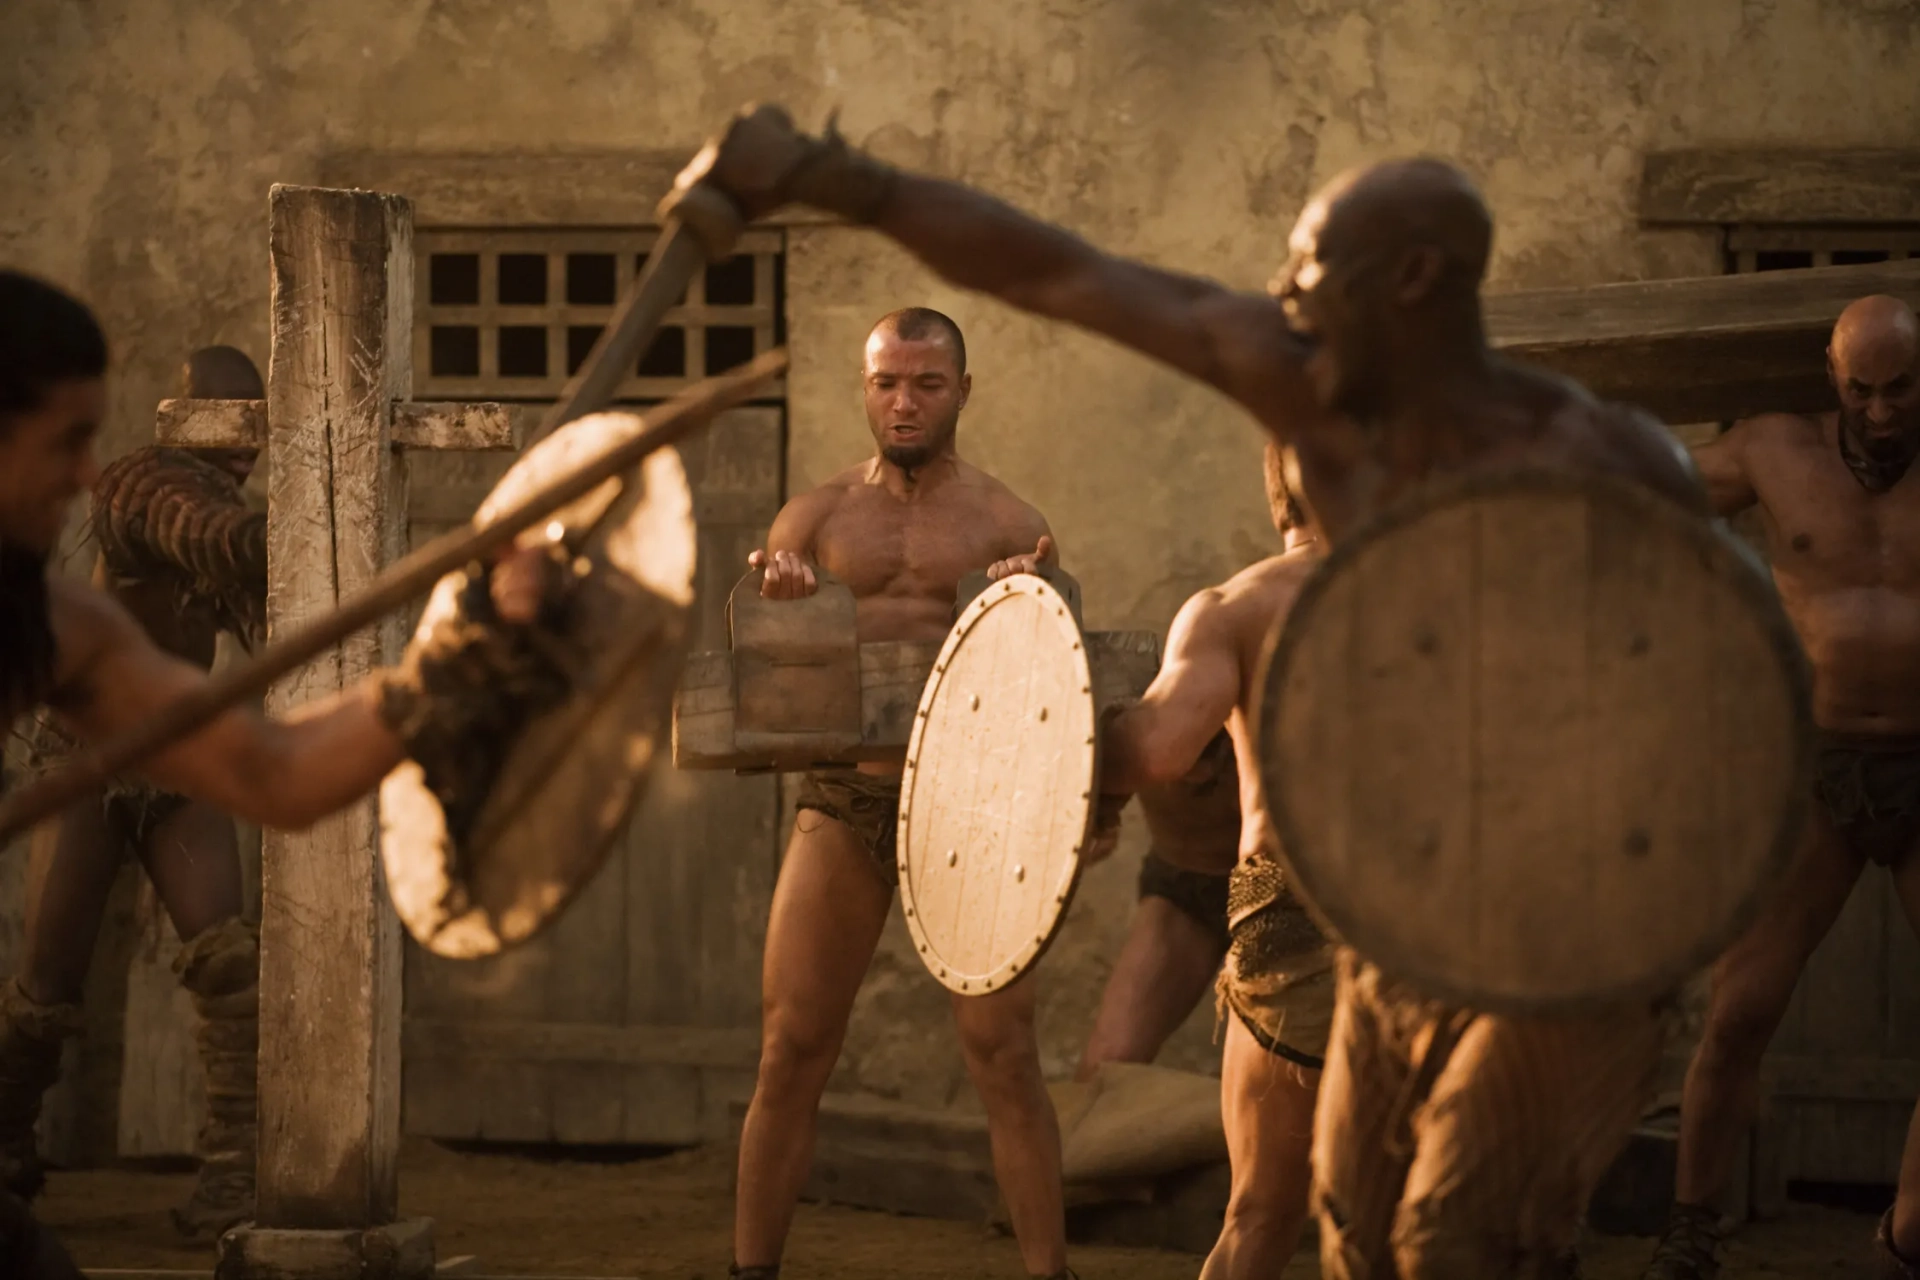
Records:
x=412, y=576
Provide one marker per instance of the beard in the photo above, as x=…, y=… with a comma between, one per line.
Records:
x=1876, y=460
x=912, y=457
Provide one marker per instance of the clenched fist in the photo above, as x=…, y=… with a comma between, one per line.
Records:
x=762, y=162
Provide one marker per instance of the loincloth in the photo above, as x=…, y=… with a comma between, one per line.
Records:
x=132, y=805
x=867, y=804
x=1870, y=789
x=1198, y=894
x=1278, y=978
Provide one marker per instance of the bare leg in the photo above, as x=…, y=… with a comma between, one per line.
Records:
x=1166, y=966
x=70, y=872
x=1752, y=984
x=193, y=859
x=1906, y=1203
x=1267, y=1104
x=1003, y=1057
x=828, y=909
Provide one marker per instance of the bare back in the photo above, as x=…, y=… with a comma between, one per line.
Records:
x=1532, y=419
x=175, y=626
x=903, y=557
x=1846, y=561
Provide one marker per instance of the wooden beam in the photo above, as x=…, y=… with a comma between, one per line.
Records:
x=211, y=424
x=242, y=424
x=1733, y=186
x=1696, y=350
x=342, y=307
x=530, y=189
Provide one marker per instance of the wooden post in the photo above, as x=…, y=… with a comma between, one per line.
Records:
x=330, y=944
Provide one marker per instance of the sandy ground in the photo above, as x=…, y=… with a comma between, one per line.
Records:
x=670, y=1217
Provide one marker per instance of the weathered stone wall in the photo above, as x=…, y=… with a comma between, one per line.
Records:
x=139, y=138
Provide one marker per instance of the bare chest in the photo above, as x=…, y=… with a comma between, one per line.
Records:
x=880, y=546
x=1826, y=529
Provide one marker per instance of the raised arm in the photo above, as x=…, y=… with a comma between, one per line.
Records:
x=1722, y=463
x=1237, y=343
x=1159, y=739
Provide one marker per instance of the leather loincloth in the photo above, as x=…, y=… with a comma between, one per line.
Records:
x=867, y=804
x=1278, y=977
x=1870, y=789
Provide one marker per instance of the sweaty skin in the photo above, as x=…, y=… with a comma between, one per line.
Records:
x=900, y=530
x=1844, y=541
x=1208, y=677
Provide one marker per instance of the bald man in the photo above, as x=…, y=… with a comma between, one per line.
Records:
x=1448, y=1142
x=901, y=529
x=1842, y=519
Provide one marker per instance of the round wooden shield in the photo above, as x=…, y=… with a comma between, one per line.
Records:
x=997, y=797
x=563, y=794
x=1536, y=741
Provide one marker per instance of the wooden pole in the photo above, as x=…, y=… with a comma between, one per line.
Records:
x=330, y=956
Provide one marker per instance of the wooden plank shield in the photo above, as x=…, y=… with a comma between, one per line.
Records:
x=566, y=787
x=1536, y=741
x=997, y=797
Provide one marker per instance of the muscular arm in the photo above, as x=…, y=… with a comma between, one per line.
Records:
x=1160, y=739
x=279, y=773
x=1236, y=343
x=1723, y=466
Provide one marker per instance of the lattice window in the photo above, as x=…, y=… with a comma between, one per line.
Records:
x=1785, y=248
x=511, y=314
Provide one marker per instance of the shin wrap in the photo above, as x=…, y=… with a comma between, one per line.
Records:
x=31, y=1036
x=221, y=970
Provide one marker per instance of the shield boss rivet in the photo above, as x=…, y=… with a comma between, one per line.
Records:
x=953, y=857
x=582, y=566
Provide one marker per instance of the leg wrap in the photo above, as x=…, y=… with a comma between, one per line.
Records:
x=221, y=968
x=31, y=1035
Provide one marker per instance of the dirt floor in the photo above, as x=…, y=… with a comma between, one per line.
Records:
x=669, y=1217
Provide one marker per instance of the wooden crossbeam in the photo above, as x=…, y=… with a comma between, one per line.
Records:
x=1696, y=350
x=1728, y=187
x=242, y=424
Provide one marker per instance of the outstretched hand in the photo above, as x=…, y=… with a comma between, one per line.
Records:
x=1042, y=555
x=786, y=575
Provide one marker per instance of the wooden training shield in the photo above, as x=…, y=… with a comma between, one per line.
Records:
x=564, y=792
x=997, y=797
x=1536, y=741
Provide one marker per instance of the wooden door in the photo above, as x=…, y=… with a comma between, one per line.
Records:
x=1844, y=1069
x=636, y=1018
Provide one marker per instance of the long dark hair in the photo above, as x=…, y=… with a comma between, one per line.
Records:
x=46, y=337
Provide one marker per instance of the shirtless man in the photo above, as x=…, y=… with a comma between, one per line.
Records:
x=71, y=647
x=1175, y=941
x=1278, y=983
x=900, y=530
x=1842, y=518
x=212, y=578
x=1370, y=360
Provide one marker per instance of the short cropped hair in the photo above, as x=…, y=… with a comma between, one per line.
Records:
x=917, y=324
